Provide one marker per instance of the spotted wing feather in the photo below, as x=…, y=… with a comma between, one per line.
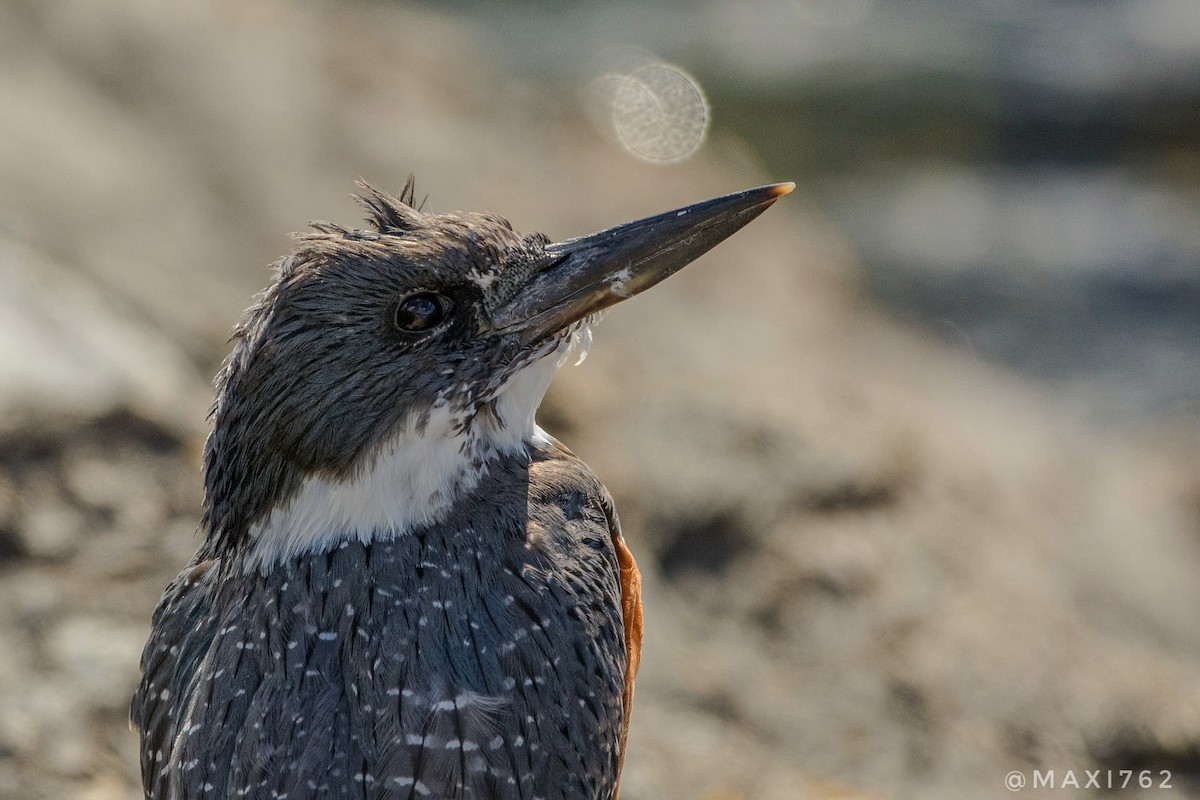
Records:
x=489, y=656
x=179, y=642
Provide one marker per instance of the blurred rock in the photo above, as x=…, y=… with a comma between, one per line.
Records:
x=94, y=653
x=51, y=530
x=67, y=346
x=10, y=544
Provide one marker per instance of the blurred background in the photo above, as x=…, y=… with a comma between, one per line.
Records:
x=910, y=464
x=1019, y=176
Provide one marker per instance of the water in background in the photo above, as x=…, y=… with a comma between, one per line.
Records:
x=1019, y=176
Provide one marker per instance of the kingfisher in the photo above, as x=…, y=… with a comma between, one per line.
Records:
x=406, y=588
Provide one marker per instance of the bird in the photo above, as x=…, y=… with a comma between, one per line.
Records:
x=406, y=588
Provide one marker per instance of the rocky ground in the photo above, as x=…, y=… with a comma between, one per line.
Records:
x=874, y=567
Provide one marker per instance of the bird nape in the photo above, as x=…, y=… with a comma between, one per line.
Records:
x=407, y=589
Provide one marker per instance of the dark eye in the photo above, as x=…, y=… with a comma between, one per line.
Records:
x=421, y=312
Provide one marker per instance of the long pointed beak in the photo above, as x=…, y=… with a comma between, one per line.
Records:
x=591, y=273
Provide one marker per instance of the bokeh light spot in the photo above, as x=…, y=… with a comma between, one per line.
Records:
x=654, y=110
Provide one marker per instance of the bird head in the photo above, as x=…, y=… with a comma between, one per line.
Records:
x=383, y=369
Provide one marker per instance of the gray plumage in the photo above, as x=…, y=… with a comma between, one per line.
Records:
x=317, y=380
x=482, y=657
x=406, y=588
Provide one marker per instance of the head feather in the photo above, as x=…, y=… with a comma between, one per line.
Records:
x=388, y=214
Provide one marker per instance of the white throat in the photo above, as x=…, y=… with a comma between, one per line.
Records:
x=414, y=480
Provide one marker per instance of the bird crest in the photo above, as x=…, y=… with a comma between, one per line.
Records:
x=388, y=214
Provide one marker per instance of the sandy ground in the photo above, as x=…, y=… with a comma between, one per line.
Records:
x=874, y=567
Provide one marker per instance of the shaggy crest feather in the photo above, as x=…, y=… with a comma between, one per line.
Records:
x=390, y=214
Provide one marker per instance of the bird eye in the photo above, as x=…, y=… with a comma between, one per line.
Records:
x=421, y=312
